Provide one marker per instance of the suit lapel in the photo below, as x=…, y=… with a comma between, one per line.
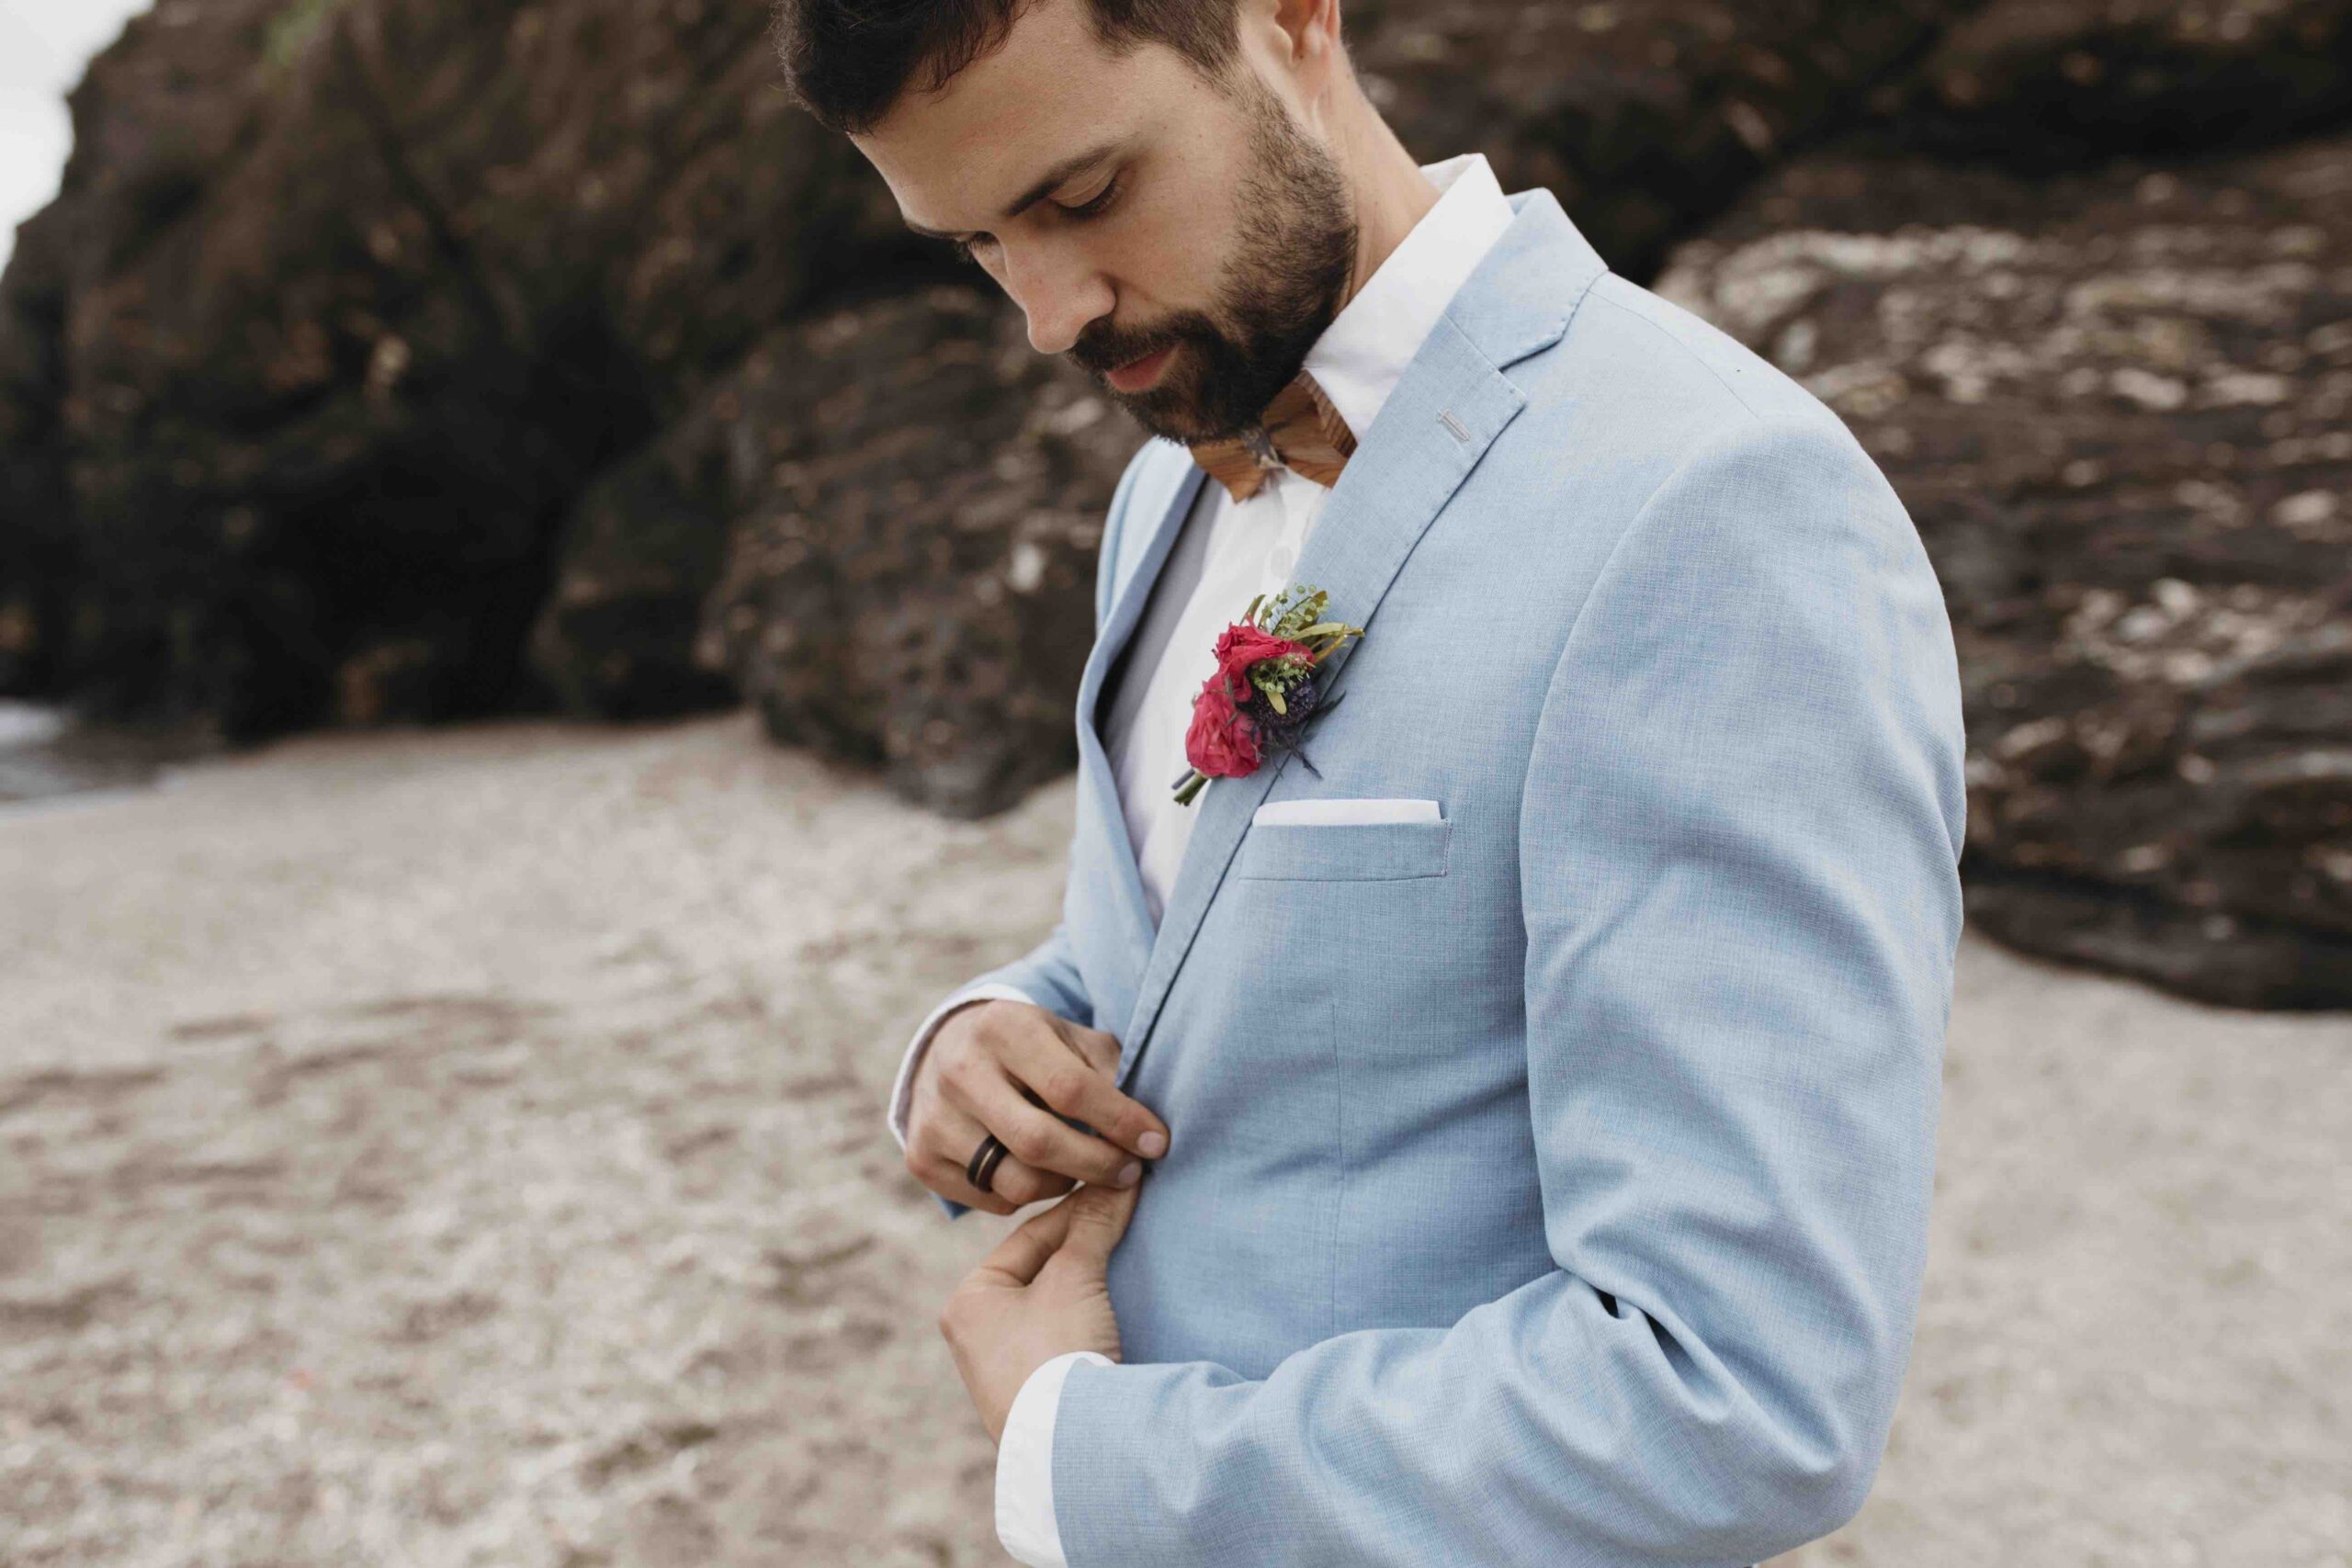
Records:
x=1095, y=763
x=1434, y=428
x=1447, y=410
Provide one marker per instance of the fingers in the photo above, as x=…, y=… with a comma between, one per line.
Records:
x=1017, y=1258
x=1021, y=1185
x=1061, y=1066
x=1023, y=1074
x=1100, y=1049
x=941, y=1145
x=1039, y=1139
x=947, y=1179
x=1098, y=1218
x=1082, y=1230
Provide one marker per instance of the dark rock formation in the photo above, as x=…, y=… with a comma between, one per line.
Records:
x=2044, y=82
x=159, y=115
x=911, y=578
x=37, y=546
x=2120, y=409
x=1646, y=118
x=321, y=346
x=353, y=312
x=881, y=530
x=391, y=359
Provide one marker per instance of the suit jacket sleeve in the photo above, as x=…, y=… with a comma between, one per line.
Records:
x=1739, y=846
x=1048, y=975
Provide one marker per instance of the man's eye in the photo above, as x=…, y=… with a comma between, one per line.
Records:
x=963, y=248
x=1097, y=207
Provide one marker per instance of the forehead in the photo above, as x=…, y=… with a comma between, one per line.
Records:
x=955, y=159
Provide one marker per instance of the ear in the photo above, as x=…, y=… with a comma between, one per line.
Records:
x=1304, y=37
x=1313, y=29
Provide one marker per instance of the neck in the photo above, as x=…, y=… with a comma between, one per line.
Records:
x=1391, y=193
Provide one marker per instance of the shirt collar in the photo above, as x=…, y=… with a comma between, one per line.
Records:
x=1364, y=352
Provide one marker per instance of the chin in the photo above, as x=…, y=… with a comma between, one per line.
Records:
x=1169, y=414
x=1154, y=423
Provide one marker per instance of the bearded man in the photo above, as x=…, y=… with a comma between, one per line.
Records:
x=1536, y=1057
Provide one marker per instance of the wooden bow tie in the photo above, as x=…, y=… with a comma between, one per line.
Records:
x=1300, y=431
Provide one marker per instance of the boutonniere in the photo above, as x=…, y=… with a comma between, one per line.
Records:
x=1267, y=689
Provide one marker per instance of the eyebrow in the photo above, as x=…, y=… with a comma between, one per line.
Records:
x=1052, y=180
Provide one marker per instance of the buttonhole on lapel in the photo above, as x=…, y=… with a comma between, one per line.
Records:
x=1461, y=431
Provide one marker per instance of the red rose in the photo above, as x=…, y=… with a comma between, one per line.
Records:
x=1222, y=742
x=1241, y=645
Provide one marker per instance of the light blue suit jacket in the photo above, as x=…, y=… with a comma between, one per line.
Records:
x=1550, y=1183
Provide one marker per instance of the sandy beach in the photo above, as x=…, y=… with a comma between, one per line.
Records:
x=466, y=1147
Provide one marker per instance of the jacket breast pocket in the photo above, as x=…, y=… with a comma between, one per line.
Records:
x=1352, y=852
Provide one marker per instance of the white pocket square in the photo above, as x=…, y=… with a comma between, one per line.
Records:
x=1342, y=812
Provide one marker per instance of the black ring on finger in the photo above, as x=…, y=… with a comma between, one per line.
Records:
x=980, y=1169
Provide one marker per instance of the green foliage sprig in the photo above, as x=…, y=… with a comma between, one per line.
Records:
x=1296, y=614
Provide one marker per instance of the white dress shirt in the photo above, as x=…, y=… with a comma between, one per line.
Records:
x=1228, y=553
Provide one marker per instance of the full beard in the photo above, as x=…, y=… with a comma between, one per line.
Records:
x=1293, y=256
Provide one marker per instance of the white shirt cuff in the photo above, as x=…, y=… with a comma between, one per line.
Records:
x=1024, y=1466
x=902, y=1092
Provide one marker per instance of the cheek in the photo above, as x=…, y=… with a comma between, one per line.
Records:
x=1157, y=278
x=1172, y=254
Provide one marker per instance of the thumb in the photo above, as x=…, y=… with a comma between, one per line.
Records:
x=1019, y=1257
x=1098, y=1218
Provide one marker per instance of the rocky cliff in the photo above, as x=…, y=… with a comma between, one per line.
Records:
x=2119, y=406
x=396, y=360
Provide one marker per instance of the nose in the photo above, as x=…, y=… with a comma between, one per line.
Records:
x=1060, y=291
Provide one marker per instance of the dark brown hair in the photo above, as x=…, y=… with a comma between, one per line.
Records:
x=848, y=61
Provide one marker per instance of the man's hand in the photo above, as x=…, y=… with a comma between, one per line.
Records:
x=1040, y=1294
x=1014, y=1069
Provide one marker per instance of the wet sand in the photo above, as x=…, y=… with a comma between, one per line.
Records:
x=46, y=755
x=466, y=1147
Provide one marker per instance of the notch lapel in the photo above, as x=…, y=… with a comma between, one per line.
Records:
x=1132, y=934
x=1440, y=420
x=1447, y=410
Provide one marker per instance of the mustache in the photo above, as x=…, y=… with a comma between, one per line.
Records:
x=1105, y=351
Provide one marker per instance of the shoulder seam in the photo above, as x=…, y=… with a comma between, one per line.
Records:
x=1689, y=353
x=1697, y=452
